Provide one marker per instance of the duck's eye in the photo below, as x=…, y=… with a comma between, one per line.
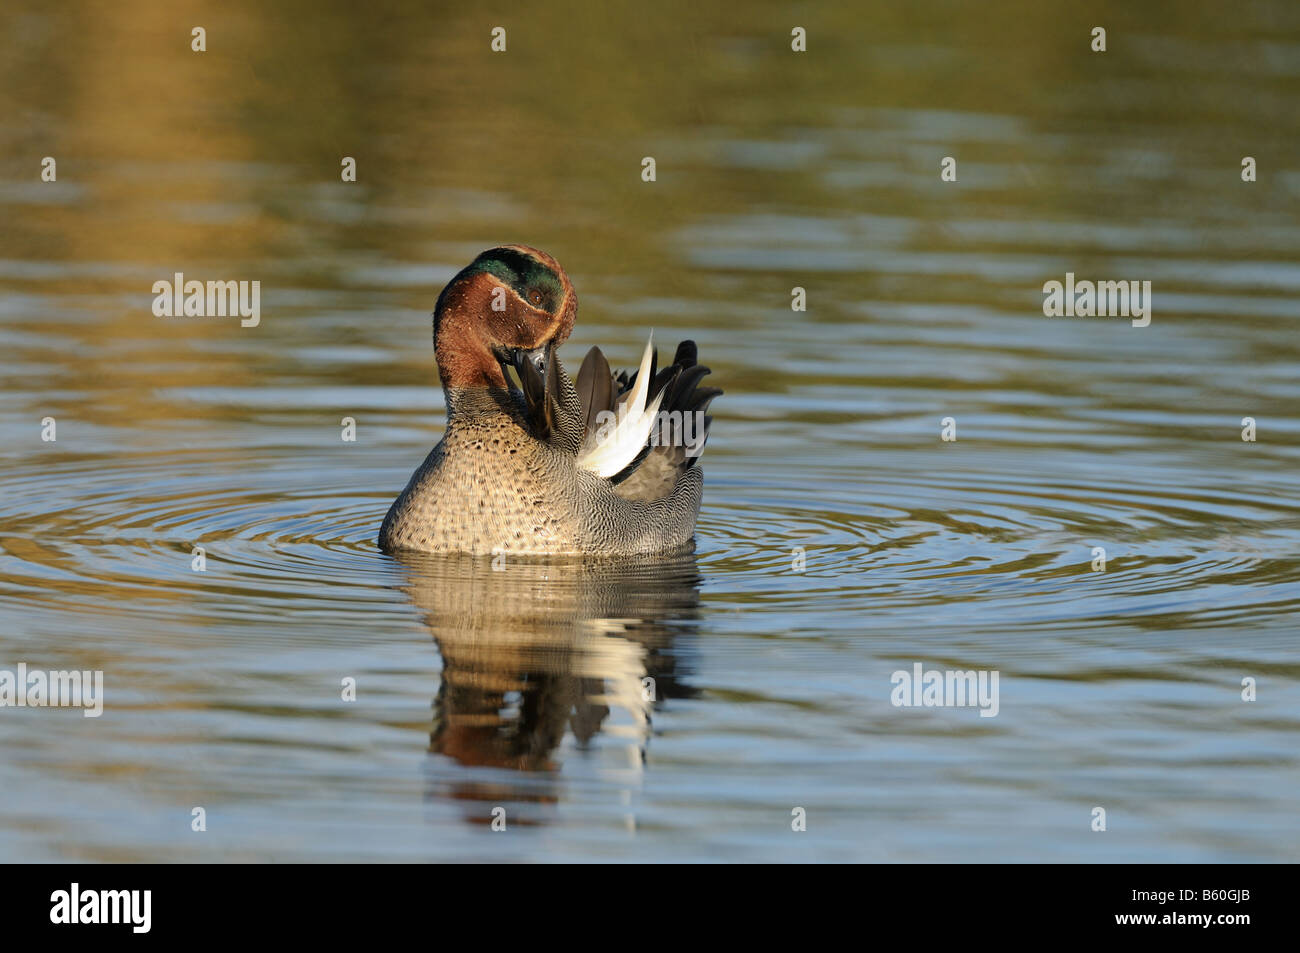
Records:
x=535, y=297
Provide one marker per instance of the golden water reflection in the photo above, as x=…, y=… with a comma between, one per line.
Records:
x=533, y=651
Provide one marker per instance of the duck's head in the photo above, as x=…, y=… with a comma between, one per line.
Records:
x=510, y=304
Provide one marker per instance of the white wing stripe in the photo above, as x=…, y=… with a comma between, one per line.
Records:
x=619, y=446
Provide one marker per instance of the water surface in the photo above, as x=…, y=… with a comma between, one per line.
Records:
x=841, y=538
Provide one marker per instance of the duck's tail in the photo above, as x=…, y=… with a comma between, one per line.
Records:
x=642, y=431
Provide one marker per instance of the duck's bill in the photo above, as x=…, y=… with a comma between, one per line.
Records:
x=529, y=365
x=539, y=358
x=539, y=379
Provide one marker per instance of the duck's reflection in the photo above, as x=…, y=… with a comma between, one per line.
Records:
x=534, y=651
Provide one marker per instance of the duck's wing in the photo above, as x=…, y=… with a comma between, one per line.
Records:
x=641, y=431
x=617, y=420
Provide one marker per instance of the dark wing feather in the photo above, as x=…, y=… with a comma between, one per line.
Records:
x=595, y=388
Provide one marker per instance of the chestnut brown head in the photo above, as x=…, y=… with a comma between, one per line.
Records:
x=510, y=304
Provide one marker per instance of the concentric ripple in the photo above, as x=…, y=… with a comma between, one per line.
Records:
x=120, y=535
x=1010, y=547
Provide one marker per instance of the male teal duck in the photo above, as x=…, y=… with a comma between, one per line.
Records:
x=606, y=466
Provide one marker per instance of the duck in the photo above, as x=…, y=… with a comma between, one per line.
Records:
x=533, y=462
